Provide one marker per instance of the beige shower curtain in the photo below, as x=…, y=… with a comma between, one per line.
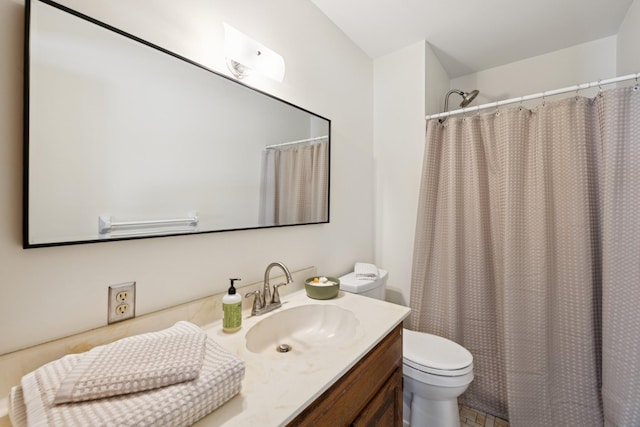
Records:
x=527, y=252
x=294, y=185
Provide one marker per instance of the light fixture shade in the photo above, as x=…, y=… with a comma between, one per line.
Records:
x=245, y=55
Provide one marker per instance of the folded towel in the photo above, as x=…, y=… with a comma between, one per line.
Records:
x=365, y=271
x=137, y=363
x=181, y=404
x=17, y=411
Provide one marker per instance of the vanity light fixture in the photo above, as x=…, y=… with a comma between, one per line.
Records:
x=245, y=55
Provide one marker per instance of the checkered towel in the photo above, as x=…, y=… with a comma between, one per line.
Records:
x=179, y=404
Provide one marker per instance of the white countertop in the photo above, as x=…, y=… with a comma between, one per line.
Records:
x=278, y=386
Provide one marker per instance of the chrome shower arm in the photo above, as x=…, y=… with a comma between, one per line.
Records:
x=446, y=99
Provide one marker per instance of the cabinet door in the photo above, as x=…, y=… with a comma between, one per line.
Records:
x=384, y=410
x=354, y=392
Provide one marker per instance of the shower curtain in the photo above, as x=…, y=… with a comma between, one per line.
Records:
x=294, y=187
x=527, y=252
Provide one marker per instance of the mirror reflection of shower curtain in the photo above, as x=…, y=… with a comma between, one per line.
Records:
x=295, y=184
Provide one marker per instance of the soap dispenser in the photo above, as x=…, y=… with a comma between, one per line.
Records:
x=231, y=310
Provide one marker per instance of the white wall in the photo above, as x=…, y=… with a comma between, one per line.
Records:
x=405, y=84
x=629, y=41
x=436, y=83
x=57, y=291
x=582, y=63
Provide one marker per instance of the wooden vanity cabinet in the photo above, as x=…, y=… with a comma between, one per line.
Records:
x=370, y=394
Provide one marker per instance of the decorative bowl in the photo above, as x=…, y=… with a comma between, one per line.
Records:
x=319, y=288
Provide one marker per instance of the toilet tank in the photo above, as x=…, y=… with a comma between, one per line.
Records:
x=375, y=288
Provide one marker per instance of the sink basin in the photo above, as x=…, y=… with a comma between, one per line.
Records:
x=303, y=329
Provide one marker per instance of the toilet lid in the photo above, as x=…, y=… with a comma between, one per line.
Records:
x=434, y=354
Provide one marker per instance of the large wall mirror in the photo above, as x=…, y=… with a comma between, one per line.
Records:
x=124, y=139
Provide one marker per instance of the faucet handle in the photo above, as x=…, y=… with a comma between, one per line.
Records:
x=258, y=303
x=275, y=299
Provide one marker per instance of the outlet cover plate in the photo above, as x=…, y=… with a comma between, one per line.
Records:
x=122, y=302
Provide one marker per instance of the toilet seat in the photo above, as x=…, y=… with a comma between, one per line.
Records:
x=435, y=355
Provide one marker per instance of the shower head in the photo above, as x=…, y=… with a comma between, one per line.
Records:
x=467, y=97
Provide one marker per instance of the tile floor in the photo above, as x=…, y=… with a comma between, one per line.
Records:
x=472, y=418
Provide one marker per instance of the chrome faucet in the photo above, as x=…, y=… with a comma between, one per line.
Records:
x=264, y=301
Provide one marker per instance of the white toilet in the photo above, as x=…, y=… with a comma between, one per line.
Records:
x=436, y=370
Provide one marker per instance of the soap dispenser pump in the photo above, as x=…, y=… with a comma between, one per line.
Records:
x=231, y=309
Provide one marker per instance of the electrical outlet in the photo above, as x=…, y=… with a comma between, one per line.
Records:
x=122, y=302
x=121, y=309
x=122, y=296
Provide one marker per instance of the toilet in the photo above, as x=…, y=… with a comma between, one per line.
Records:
x=435, y=370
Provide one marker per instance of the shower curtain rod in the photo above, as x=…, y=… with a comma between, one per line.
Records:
x=496, y=104
x=296, y=142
